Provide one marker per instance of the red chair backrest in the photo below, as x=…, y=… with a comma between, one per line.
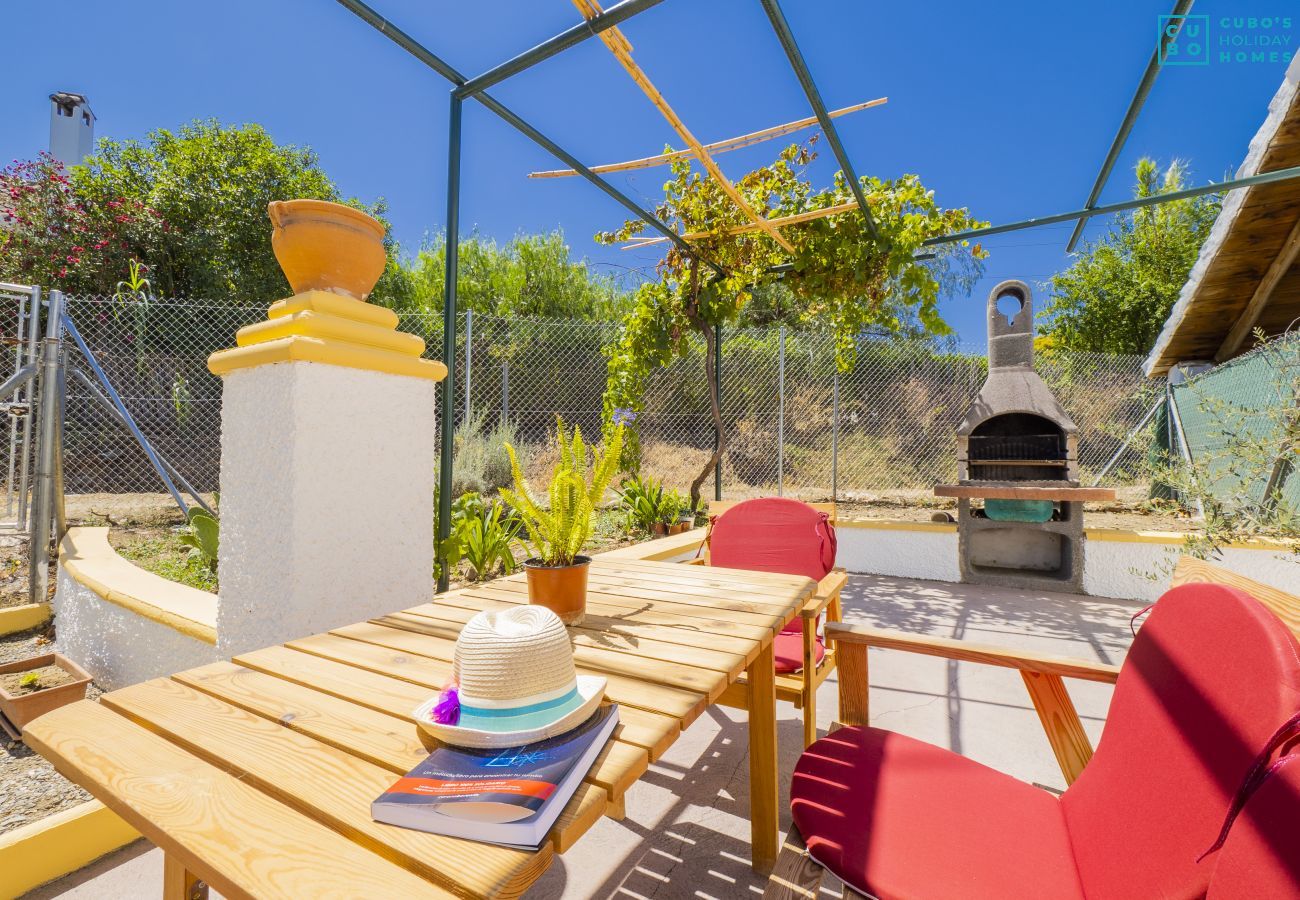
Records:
x=774, y=534
x=1261, y=857
x=1209, y=678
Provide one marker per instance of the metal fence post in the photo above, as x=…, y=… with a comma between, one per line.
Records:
x=717, y=433
x=835, y=436
x=24, y=465
x=505, y=391
x=43, y=502
x=780, y=412
x=469, y=356
x=448, y=437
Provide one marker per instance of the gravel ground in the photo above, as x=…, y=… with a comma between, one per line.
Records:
x=30, y=789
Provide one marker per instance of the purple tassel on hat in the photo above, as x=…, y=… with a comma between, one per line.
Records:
x=447, y=710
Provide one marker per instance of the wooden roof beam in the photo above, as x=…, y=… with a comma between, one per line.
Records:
x=735, y=143
x=781, y=222
x=618, y=45
x=1263, y=292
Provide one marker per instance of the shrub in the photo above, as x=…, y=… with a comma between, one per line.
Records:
x=640, y=499
x=481, y=464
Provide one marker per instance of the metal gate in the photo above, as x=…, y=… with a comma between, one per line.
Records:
x=20, y=307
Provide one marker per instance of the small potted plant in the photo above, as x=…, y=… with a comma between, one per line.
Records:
x=689, y=513
x=670, y=512
x=34, y=686
x=557, y=533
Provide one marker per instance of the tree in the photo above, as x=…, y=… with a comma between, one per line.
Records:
x=189, y=205
x=1116, y=295
x=841, y=274
x=532, y=275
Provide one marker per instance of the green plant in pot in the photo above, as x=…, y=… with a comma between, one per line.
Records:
x=557, y=532
x=670, y=512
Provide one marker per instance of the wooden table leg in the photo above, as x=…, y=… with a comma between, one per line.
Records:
x=179, y=883
x=764, y=832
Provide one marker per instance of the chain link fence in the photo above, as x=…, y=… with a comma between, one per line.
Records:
x=795, y=424
x=1239, y=423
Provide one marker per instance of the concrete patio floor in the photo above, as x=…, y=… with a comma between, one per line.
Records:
x=686, y=833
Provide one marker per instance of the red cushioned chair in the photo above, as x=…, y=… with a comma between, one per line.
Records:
x=774, y=534
x=1209, y=691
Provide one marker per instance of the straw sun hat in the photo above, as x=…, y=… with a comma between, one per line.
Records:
x=514, y=682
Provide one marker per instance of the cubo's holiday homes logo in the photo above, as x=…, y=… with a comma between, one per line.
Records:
x=1227, y=40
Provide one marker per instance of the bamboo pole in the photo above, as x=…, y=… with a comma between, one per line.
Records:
x=618, y=45
x=781, y=222
x=735, y=143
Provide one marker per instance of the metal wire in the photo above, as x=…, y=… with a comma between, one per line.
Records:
x=894, y=423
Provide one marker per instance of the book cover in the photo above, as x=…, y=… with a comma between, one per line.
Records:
x=507, y=796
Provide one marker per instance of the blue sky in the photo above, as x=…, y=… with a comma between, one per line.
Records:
x=1006, y=108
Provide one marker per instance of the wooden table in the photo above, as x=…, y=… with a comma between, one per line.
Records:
x=256, y=776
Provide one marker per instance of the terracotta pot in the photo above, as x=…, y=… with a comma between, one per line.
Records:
x=688, y=524
x=22, y=708
x=677, y=528
x=561, y=589
x=659, y=528
x=324, y=246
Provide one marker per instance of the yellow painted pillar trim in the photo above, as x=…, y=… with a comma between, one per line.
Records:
x=317, y=326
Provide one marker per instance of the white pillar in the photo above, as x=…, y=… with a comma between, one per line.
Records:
x=327, y=471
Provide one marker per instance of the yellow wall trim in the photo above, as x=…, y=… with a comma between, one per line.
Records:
x=58, y=845
x=321, y=327
x=87, y=557
x=20, y=618
x=898, y=525
x=1176, y=538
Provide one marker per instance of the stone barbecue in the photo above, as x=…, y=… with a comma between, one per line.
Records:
x=1020, y=506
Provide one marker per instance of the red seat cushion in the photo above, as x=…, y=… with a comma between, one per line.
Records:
x=895, y=817
x=1261, y=857
x=788, y=649
x=773, y=534
x=1209, y=678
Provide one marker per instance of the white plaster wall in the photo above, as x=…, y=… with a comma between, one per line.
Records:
x=115, y=645
x=906, y=554
x=1141, y=571
x=327, y=480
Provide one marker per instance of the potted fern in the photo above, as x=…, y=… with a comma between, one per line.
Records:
x=558, y=531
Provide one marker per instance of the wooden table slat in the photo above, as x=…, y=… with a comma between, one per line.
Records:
x=627, y=641
x=385, y=740
x=704, y=588
x=434, y=672
x=385, y=693
x=242, y=842
x=745, y=581
x=415, y=636
x=692, y=686
x=316, y=779
x=632, y=597
x=715, y=651
x=698, y=622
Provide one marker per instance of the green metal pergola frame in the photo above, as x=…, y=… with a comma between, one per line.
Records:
x=476, y=88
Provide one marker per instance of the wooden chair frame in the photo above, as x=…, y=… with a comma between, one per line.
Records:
x=798, y=688
x=797, y=875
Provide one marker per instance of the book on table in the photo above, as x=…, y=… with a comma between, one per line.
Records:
x=507, y=796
